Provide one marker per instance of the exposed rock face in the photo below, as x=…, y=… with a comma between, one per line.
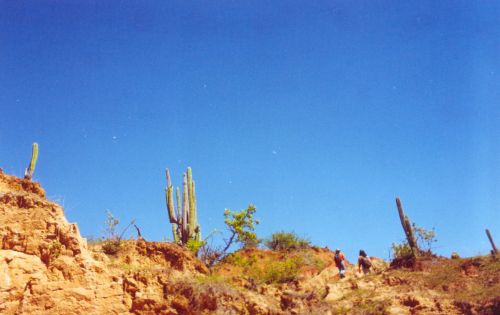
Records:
x=45, y=266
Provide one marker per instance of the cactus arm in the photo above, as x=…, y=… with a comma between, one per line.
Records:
x=185, y=209
x=28, y=173
x=198, y=234
x=194, y=211
x=169, y=192
x=192, y=215
x=178, y=204
x=175, y=233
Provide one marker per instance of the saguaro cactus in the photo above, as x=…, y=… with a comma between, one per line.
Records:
x=28, y=173
x=184, y=221
x=405, y=222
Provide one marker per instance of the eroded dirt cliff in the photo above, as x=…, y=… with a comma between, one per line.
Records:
x=46, y=267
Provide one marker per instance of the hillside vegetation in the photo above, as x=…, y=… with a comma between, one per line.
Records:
x=46, y=267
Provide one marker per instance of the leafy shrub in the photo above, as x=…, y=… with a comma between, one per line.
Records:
x=400, y=250
x=424, y=237
x=455, y=255
x=194, y=245
x=424, y=240
x=280, y=271
x=286, y=241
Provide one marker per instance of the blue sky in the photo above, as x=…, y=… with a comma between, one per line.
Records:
x=318, y=113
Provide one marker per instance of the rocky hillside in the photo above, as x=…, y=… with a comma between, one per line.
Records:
x=46, y=267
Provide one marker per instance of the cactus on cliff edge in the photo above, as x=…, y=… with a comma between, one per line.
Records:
x=405, y=222
x=28, y=173
x=183, y=217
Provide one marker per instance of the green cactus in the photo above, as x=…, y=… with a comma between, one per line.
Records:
x=28, y=173
x=178, y=199
x=175, y=233
x=185, y=210
x=170, y=207
x=184, y=216
x=170, y=199
x=197, y=229
x=192, y=208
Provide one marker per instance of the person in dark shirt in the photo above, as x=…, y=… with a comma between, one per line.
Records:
x=364, y=262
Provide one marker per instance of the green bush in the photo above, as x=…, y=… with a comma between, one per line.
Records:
x=400, y=250
x=194, y=245
x=424, y=239
x=280, y=271
x=241, y=225
x=286, y=241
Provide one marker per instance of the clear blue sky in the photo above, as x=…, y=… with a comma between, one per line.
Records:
x=318, y=113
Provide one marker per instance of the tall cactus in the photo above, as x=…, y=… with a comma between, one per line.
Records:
x=28, y=173
x=405, y=222
x=183, y=217
x=197, y=229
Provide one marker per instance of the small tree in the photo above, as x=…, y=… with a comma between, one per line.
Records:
x=424, y=237
x=110, y=225
x=241, y=226
x=111, y=244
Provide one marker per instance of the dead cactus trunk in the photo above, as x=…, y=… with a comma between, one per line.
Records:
x=405, y=222
x=494, y=250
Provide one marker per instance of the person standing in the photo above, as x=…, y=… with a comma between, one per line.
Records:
x=339, y=262
x=364, y=262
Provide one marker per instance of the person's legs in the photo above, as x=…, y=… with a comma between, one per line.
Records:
x=342, y=270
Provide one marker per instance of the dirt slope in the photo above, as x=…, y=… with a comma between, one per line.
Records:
x=46, y=267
